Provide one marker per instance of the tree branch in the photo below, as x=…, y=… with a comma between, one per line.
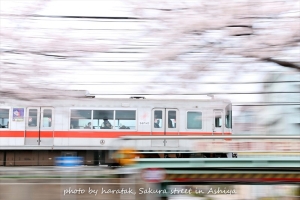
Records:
x=283, y=63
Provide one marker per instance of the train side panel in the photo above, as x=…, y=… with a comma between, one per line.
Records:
x=97, y=145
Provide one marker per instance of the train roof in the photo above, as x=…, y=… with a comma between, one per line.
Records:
x=80, y=97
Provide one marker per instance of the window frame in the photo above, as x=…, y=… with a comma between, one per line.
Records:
x=9, y=117
x=113, y=124
x=186, y=120
x=42, y=128
x=176, y=119
x=38, y=118
x=228, y=108
x=230, y=120
x=162, y=128
x=108, y=109
x=126, y=109
x=70, y=113
x=218, y=119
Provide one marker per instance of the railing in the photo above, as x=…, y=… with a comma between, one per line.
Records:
x=285, y=143
x=206, y=137
x=191, y=163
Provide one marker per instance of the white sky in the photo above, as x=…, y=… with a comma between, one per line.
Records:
x=108, y=8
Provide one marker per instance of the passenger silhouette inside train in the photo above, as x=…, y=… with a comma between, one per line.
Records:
x=124, y=127
x=106, y=124
x=88, y=126
x=156, y=123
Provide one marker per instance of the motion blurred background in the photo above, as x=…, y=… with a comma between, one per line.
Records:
x=244, y=51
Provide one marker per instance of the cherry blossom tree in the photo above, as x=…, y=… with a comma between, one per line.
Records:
x=39, y=53
x=181, y=40
x=205, y=37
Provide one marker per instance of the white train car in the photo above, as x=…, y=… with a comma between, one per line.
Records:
x=34, y=133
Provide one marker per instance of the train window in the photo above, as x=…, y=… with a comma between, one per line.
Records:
x=4, y=118
x=80, y=119
x=194, y=120
x=158, y=119
x=218, y=119
x=47, y=118
x=171, y=119
x=32, y=117
x=125, y=119
x=228, y=117
x=103, y=119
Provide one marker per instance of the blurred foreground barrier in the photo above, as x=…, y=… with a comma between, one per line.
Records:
x=180, y=172
x=71, y=189
x=228, y=178
x=234, y=143
x=247, y=146
x=242, y=176
x=208, y=137
x=270, y=163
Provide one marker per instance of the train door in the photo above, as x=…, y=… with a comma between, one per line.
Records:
x=39, y=126
x=218, y=124
x=164, y=123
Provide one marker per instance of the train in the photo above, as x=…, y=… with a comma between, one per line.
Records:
x=34, y=133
